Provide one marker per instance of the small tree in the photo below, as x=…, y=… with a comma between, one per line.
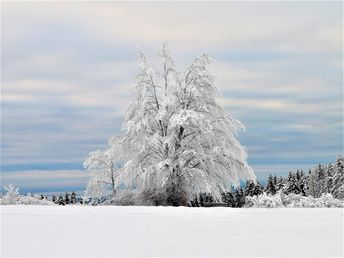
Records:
x=338, y=179
x=60, y=200
x=73, y=198
x=66, y=198
x=271, y=187
x=239, y=197
x=229, y=199
x=11, y=196
x=103, y=174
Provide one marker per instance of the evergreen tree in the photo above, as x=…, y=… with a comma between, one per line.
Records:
x=303, y=183
x=338, y=179
x=280, y=184
x=60, y=200
x=239, y=197
x=293, y=183
x=252, y=188
x=73, y=199
x=313, y=182
x=271, y=187
x=66, y=198
x=249, y=188
x=258, y=189
x=228, y=199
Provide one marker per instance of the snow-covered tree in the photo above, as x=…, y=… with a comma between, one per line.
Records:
x=103, y=172
x=338, y=179
x=239, y=197
x=12, y=195
x=66, y=198
x=177, y=138
x=229, y=199
x=60, y=200
x=252, y=188
x=73, y=199
x=314, y=182
x=271, y=186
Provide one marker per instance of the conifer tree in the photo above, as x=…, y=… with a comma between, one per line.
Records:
x=66, y=198
x=60, y=200
x=73, y=199
x=271, y=187
x=338, y=179
x=229, y=199
x=239, y=197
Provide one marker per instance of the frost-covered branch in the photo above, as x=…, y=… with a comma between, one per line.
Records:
x=177, y=139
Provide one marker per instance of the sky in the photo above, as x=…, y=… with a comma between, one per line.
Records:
x=67, y=69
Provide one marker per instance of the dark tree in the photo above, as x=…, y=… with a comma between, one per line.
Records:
x=239, y=196
x=252, y=188
x=73, y=199
x=66, y=198
x=60, y=200
x=258, y=189
x=271, y=187
x=228, y=199
x=249, y=188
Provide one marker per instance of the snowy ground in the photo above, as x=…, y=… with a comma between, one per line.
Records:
x=167, y=231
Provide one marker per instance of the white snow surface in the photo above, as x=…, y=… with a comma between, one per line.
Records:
x=100, y=231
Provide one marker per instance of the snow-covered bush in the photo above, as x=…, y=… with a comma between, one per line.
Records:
x=126, y=198
x=264, y=201
x=11, y=197
x=292, y=201
x=298, y=201
x=150, y=197
x=33, y=200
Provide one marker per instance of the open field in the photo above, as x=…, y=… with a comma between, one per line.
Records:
x=38, y=231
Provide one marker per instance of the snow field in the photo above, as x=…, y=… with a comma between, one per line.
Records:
x=47, y=231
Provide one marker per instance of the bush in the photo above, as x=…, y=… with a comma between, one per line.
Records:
x=264, y=201
x=11, y=197
x=151, y=197
x=126, y=198
x=33, y=200
x=292, y=201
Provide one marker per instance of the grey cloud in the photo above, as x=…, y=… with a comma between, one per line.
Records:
x=67, y=75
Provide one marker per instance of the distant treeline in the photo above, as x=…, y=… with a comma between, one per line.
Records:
x=320, y=180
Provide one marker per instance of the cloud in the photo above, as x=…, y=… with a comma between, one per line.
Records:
x=307, y=26
x=40, y=180
x=68, y=68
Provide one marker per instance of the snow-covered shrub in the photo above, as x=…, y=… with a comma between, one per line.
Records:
x=298, y=201
x=152, y=197
x=11, y=197
x=264, y=201
x=125, y=198
x=292, y=201
x=33, y=200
